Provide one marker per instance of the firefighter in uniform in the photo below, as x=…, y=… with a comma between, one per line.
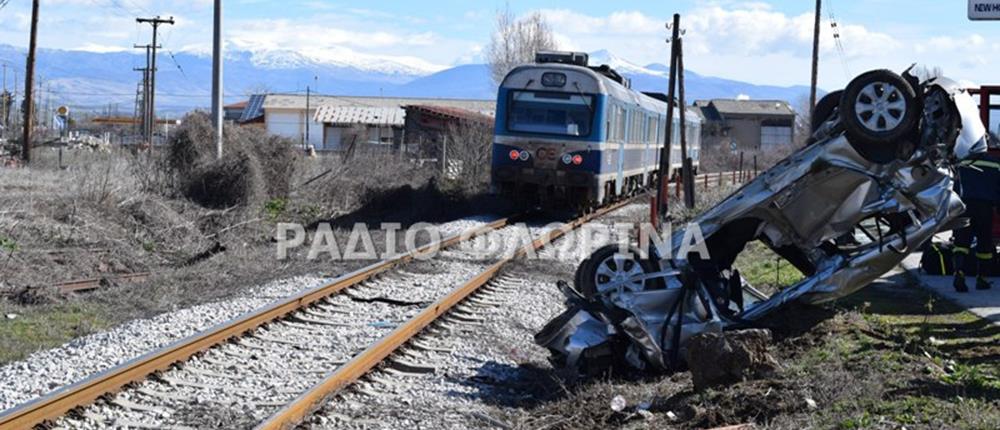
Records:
x=979, y=186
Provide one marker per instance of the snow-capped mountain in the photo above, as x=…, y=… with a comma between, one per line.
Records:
x=624, y=66
x=340, y=57
x=93, y=80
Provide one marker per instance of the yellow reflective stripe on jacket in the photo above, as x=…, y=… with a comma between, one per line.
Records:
x=940, y=257
x=961, y=250
x=981, y=163
x=984, y=255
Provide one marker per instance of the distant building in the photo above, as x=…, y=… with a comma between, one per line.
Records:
x=349, y=125
x=286, y=114
x=233, y=112
x=746, y=124
x=426, y=126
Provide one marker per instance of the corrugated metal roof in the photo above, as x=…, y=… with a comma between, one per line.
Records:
x=453, y=112
x=298, y=101
x=374, y=116
x=750, y=107
x=254, y=108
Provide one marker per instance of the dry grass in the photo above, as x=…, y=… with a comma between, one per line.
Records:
x=203, y=228
x=869, y=362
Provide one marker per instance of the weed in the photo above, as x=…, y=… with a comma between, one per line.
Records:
x=7, y=244
x=275, y=208
x=971, y=377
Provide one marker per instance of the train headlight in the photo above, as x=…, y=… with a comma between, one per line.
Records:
x=577, y=159
x=567, y=159
x=554, y=79
x=514, y=154
x=524, y=156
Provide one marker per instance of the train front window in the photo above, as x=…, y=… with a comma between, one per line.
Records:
x=546, y=112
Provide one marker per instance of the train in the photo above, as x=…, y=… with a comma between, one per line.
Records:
x=573, y=135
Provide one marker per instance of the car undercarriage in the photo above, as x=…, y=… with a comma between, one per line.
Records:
x=874, y=183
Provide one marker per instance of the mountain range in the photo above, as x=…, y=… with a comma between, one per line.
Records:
x=88, y=80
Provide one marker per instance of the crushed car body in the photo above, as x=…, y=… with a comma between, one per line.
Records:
x=874, y=183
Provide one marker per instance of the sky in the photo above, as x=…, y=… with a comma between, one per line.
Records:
x=763, y=42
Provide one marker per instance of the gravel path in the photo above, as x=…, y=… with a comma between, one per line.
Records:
x=45, y=371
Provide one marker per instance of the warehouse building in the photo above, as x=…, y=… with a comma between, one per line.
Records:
x=746, y=124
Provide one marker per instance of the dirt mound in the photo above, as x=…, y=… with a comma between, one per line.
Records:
x=723, y=358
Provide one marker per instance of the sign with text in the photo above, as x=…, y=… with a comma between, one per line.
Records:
x=984, y=10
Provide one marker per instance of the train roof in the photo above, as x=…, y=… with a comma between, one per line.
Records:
x=520, y=78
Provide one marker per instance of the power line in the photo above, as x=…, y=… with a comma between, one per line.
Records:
x=839, y=42
x=174, y=60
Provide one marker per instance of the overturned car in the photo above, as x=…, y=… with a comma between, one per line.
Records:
x=874, y=183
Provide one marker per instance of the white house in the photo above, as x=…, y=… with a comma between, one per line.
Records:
x=286, y=114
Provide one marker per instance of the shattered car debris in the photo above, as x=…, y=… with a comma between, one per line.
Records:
x=874, y=183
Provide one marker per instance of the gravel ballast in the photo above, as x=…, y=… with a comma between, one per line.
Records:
x=478, y=366
x=44, y=371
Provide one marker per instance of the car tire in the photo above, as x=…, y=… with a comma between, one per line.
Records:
x=878, y=110
x=586, y=278
x=824, y=108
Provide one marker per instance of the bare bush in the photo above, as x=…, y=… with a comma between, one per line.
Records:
x=515, y=41
x=338, y=186
x=235, y=180
x=722, y=159
x=255, y=165
x=469, y=149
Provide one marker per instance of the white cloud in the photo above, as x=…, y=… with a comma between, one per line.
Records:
x=294, y=34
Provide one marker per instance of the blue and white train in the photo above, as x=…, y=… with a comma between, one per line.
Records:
x=572, y=135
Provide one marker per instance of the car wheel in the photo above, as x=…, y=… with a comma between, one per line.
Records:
x=878, y=110
x=824, y=108
x=600, y=274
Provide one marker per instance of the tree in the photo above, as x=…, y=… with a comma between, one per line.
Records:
x=515, y=41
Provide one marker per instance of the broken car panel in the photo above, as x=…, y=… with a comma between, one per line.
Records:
x=875, y=183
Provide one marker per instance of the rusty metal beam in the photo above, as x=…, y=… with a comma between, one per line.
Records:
x=57, y=403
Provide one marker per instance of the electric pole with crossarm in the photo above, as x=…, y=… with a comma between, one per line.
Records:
x=155, y=22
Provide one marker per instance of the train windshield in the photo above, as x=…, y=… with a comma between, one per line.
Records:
x=550, y=113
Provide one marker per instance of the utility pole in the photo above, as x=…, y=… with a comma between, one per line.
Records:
x=217, y=79
x=815, y=57
x=662, y=193
x=305, y=144
x=144, y=123
x=687, y=174
x=155, y=22
x=28, y=83
x=4, y=101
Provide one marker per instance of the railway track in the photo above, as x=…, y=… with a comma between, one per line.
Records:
x=273, y=366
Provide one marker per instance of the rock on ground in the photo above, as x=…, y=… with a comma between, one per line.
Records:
x=728, y=357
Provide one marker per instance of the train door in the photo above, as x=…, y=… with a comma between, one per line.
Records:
x=627, y=136
x=647, y=122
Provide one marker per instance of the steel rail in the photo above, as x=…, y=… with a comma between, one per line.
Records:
x=303, y=406
x=84, y=392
